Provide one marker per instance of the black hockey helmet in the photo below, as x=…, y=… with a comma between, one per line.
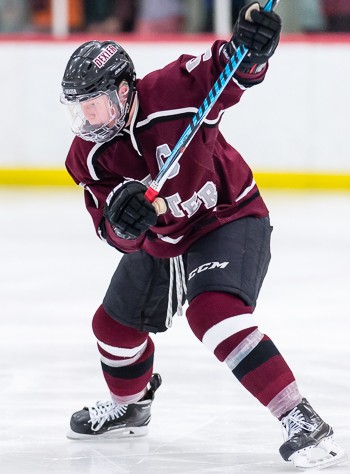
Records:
x=100, y=75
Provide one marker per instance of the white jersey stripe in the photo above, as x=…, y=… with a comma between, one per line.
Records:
x=132, y=125
x=169, y=113
x=89, y=162
x=83, y=185
x=246, y=191
x=166, y=113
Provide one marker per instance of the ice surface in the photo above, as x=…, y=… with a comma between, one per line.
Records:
x=54, y=272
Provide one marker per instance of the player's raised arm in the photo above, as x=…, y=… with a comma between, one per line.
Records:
x=259, y=31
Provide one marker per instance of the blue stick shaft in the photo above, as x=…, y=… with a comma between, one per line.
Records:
x=224, y=78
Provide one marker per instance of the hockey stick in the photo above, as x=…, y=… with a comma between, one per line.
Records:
x=179, y=149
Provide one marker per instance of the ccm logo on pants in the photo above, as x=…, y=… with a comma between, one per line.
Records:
x=207, y=266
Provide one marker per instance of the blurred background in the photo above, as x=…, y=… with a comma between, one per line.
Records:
x=157, y=16
x=301, y=142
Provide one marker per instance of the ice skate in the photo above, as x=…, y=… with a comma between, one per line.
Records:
x=309, y=440
x=108, y=420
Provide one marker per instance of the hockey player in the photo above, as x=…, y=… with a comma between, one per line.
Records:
x=211, y=246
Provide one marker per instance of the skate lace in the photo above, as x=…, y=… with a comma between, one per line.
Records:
x=105, y=411
x=294, y=423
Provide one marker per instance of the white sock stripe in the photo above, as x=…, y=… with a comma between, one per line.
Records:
x=285, y=400
x=226, y=328
x=243, y=349
x=122, y=351
x=122, y=362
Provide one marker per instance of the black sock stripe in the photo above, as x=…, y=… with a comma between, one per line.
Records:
x=264, y=351
x=129, y=371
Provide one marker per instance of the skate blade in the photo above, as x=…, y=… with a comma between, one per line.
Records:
x=112, y=434
x=327, y=453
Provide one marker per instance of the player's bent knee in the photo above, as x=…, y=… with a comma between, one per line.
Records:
x=110, y=332
x=221, y=321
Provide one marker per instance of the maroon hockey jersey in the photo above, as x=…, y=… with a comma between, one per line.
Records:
x=210, y=186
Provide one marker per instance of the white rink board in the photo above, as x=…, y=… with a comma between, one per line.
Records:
x=297, y=120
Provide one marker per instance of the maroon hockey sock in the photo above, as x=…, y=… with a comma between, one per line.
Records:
x=227, y=327
x=126, y=356
x=264, y=372
x=213, y=314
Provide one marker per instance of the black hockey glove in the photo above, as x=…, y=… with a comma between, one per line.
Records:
x=259, y=31
x=128, y=211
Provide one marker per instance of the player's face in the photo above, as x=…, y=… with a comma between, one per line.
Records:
x=93, y=117
x=98, y=111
